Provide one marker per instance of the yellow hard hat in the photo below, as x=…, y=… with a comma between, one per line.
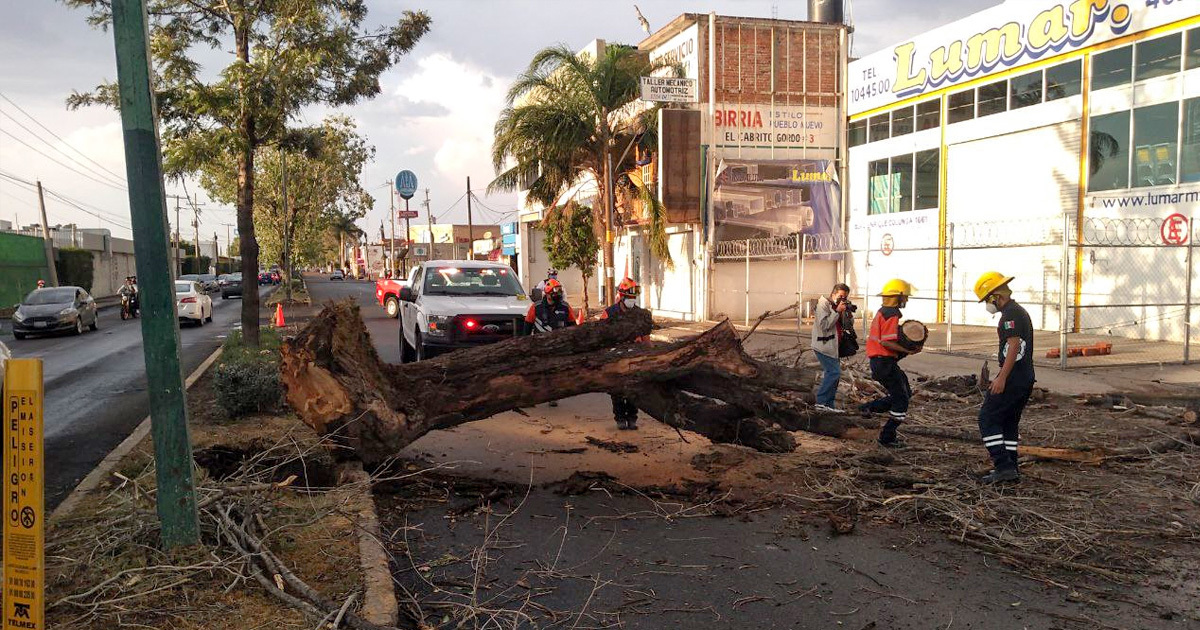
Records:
x=896, y=286
x=989, y=282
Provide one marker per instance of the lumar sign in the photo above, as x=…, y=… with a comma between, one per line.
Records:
x=1006, y=36
x=24, y=530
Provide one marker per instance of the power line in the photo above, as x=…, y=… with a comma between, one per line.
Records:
x=49, y=131
x=61, y=152
x=452, y=206
x=93, y=212
x=68, y=167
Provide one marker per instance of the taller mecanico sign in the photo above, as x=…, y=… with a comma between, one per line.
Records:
x=1006, y=36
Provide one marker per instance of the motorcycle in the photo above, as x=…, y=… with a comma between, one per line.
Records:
x=129, y=306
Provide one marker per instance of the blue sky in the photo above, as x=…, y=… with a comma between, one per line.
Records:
x=434, y=117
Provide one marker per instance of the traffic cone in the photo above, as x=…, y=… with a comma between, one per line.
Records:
x=279, y=316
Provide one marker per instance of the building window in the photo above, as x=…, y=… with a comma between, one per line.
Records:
x=1155, y=129
x=1108, y=152
x=929, y=115
x=858, y=132
x=1193, y=49
x=1189, y=155
x=880, y=188
x=1064, y=80
x=993, y=98
x=961, y=106
x=926, y=175
x=1026, y=90
x=1112, y=68
x=902, y=121
x=1158, y=57
x=902, y=181
x=879, y=128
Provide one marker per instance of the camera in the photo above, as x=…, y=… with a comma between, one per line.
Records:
x=851, y=307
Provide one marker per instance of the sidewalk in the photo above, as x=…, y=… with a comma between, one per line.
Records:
x=1152, y=380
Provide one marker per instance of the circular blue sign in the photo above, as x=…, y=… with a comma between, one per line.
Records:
x=406, y=184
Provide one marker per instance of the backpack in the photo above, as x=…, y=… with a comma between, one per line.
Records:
x=848, y=343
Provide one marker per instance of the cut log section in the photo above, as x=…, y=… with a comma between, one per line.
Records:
x=337, y=384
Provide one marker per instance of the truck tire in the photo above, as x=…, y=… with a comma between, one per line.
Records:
x=393, y=306
x=421, y=353
x=407, y=354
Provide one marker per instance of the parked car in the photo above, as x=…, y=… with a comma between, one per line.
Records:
x=55, y=309
x=276, y=278
x=209, y=282
x=189, y=277
x=459, y=304
x=232, y=286
x=193, y=303
x=264, y=278
x=387, y=292
x=337, y=275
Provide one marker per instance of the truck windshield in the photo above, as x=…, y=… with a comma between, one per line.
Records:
x=470, y=281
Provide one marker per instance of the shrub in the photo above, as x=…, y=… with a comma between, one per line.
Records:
x=247, y=381
x=74, y=267
x=247, y=387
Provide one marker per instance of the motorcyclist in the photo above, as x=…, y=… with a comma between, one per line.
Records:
x=129, y=297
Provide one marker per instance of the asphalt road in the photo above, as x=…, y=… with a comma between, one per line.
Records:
x=385, y=331
x=96, y=387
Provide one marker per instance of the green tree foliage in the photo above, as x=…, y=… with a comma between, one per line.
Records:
x=264, y=61
x=323, y=171
x=568, y=116
x=194, y=264
x=571, y=241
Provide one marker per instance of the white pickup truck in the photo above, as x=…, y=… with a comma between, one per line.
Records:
x=453, y=304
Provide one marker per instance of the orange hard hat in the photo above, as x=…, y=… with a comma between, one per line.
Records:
x=553, y=286
x=628, y=287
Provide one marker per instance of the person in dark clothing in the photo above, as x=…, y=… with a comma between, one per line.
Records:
x=624, y=411
x=549, y=313
x=1008, y=393
x=884, y=352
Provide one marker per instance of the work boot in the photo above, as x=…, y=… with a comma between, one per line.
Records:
x=894, y=442
x=631, y=425
x=621, y=424
x=1001, y=475
x=865, y=411
x=552, y=403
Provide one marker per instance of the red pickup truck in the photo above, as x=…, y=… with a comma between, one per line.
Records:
x=387, y=292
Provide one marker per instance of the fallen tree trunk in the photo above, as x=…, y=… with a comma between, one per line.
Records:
x=718, y=421
x=338, y=385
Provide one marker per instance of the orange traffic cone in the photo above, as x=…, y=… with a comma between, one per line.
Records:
x=279, y=316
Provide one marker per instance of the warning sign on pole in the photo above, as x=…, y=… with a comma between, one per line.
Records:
x=24, y=531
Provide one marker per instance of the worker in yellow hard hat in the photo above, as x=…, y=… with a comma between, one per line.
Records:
x=1008, y=393
x=884, y=353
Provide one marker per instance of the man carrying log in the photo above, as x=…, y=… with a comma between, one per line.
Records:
x=885, y=351
x=1006, y=396
x=624, y=411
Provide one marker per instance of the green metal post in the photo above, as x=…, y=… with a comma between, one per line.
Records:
x=160, y=329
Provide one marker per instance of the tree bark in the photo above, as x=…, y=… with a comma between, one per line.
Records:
x=245, y=195
x=339, y=387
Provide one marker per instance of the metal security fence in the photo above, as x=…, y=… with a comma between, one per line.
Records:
x=1101, y=291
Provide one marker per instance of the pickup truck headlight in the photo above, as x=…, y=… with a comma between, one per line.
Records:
x=18, y=316
x=439, y=326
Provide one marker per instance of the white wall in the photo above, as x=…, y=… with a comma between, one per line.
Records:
x=772, y=285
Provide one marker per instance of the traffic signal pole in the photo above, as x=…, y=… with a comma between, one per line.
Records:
x=176, y=497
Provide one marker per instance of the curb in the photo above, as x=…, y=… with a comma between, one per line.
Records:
x=110, y=461
x=379, y=601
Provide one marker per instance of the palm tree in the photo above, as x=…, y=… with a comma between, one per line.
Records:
x=570, y=117
x=345, y=228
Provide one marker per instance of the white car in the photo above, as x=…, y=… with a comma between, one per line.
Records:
x=459, y=304
x=192, y=302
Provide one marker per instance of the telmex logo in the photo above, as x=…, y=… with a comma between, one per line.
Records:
x=1048, y=31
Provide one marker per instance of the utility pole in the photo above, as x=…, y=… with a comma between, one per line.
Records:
x=429, y=214
x=196, y=228
x=216, y=252
x=407, y=238
x=470, y=224
x=287, y=230
x=178, y=236
x=392, y=244
x=46, y=240
x=176, y=496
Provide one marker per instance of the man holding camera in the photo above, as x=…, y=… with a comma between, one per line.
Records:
x=833, y=311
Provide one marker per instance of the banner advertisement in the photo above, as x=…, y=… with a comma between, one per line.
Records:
x=776, y=199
